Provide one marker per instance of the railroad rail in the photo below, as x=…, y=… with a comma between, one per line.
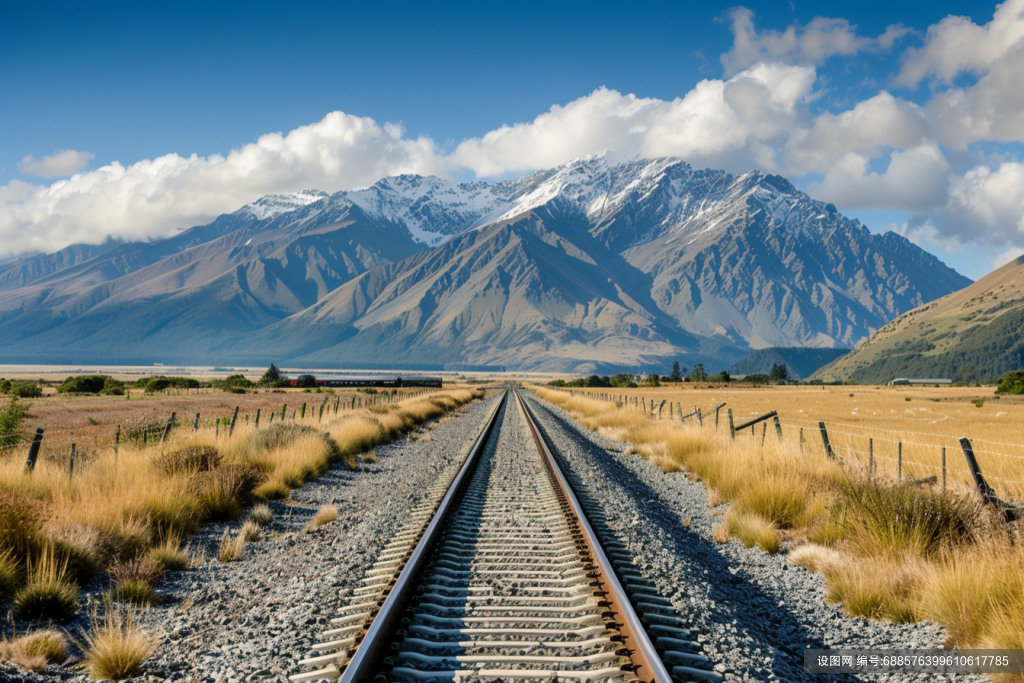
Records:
x=500, y=575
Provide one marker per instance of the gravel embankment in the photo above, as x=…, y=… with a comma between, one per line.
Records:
x=256, y=618
x=755, y=614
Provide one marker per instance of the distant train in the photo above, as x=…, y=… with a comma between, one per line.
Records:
x=379, y=381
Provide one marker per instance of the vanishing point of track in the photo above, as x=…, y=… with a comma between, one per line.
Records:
x=502, y=575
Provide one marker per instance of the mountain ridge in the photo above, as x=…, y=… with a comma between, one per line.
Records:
x=605, y=262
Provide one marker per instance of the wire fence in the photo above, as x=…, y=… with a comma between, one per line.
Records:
x=903, y=455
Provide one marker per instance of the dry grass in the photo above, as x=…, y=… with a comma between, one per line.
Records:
x=116, y=645
x=325, y=515
x=49, y=593
x=35, y=651
x=261, y=514
x=887, y=549
x=230, y=549
x=250, y=531
x=170, y=555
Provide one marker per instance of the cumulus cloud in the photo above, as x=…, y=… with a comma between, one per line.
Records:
x=60, y=164
x=154, y=196
x=957, y=45
x=916, y=180
x=985, y=206
x=812, y=43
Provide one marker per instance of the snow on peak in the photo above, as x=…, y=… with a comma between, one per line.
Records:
x=273, y=205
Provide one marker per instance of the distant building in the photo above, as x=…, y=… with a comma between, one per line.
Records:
x=381, y=381
x=906, y=380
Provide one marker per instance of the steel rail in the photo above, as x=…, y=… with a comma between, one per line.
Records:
x=370, y=650
x=649, y=667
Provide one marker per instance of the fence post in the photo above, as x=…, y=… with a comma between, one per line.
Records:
x=170, y=423
x=764, y=432
x=660, y=408
x=257, y=424
x=272, y=414
x=195, y=425
x=732, y=426
x=671, y=411
x=321, y=418
x=871, y=457
x=303, y=416
x=828, y=445
x=943, y=468
x=216, y=434
x=33, y=451
x=899, y=461
x=802, y=440
x=284, y=411
x=987, y=494
x=231, y=427
x=700, y=417
x=117, y=440
x=71, y=462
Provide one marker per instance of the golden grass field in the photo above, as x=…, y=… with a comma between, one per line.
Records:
x=888, y=549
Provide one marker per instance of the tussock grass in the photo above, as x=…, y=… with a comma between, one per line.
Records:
x=49, y=594
x=170, y=556
x=881, y=587
x=752, y=529
x=35, y=651
x=814, y=557
x=325, y=515
x=261, y=514
x=135, y=580
x=10, y=575
x=250, y=531
x=231, y=549
x=116, y=647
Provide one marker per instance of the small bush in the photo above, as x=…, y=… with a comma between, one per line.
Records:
x=261, y=514
x=49, y=594
x=188, y=460
x=116, y=647
x=325, y=515
x=978, y=402
x=25, y=390
x=10, y=422
x=1013, y=383
x=814, y=557
x=230, y=550
x=135, y=592
x=170, y=556
x=112, y=387
x=37, y=650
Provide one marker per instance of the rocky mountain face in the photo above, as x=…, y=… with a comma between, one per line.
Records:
x=973, y=335
x=604, y=263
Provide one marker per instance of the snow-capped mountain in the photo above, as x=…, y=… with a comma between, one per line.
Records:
x=605, y=261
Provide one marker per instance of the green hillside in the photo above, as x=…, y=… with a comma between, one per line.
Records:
x=801, y=361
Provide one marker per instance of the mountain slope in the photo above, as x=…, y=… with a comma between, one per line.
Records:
x=605, y=262
x=971, y=335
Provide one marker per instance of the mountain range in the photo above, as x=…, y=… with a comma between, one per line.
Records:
x=604, y=263
x=972, y=335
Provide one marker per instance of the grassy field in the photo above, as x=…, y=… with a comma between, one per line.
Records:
x=888, y=548
x=122, y=516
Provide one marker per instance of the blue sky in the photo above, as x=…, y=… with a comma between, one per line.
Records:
x=854, y=107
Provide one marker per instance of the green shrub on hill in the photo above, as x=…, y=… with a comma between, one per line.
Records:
x=1013, y=383
x=25, y=390
x=83, y=384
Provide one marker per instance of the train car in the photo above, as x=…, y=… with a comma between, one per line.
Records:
x=376, y=381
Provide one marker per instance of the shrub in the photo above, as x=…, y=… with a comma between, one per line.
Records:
x=190, y=459
x=83, y=384
x=25, y=390
x=10, y=422
x=49, y=594
x=112, y=387
x=170, y=556
x=978, y=402
x=261, y=514
x=5, y=386
x=1013, y=383
x=116, y=647
x=37, y=650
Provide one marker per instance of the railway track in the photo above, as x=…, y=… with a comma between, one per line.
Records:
x=500, y=575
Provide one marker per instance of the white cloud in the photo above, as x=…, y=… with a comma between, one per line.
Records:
x=60, y=164
x=812, y=43
x=957, y=45
x=154, y=196
x=916, y=180
x=985, y=206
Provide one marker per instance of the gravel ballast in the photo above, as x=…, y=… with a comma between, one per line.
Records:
x=755, y=615
x=254, y=619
